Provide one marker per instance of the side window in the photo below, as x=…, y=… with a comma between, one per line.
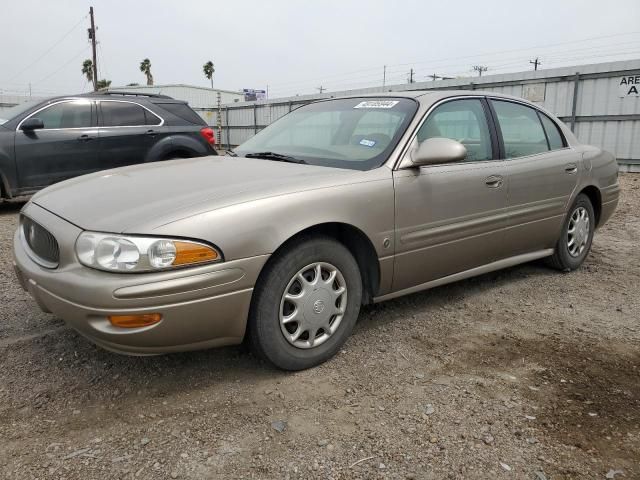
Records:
x=464, y=121
x=553, y=132
x=151, y=118
x=521, y=129
x=66, y=115
x=122, y=114
x=183, y=111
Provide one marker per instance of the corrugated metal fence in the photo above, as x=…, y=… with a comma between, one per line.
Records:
x=594, y=100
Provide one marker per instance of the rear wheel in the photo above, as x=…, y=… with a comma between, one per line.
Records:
x=577, y=234
x=305, y=304
x=175, y=155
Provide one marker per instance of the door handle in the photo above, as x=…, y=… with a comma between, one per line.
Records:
x=85, y=138
x=493, y=181
x=151, y=133
x=571, y=168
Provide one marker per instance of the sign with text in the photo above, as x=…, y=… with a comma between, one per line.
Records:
x=534, y=92
x=629, y=86
x=251, y=95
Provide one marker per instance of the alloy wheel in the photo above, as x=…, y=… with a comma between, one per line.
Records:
x=578, y=232
x=313, y=305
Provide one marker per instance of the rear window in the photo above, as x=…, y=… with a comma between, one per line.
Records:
x=522, y=131
x=183, y=111
x=553, y=133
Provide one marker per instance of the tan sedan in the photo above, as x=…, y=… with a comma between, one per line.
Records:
x=340, y=203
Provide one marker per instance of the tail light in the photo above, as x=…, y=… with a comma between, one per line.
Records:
x=209, y=135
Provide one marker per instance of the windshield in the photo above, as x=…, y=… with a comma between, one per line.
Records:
x=355, y=133
x=8, y=114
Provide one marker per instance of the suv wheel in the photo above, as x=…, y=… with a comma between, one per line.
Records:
x=305, y=304
x=577, y=234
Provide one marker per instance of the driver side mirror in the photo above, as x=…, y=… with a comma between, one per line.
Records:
x=438, y=150
x=32, y=124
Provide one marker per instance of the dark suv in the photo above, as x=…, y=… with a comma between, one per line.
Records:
x=47, y=141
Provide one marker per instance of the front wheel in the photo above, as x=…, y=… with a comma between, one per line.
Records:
x=576, y=238
x=305, y=304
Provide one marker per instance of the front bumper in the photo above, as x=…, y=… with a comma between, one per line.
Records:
x=201, y=307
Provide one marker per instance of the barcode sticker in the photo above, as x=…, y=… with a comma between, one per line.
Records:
x=377, y=104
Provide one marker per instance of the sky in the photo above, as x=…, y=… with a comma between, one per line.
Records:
x=297, y=46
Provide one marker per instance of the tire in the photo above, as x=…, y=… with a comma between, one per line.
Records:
x=294, y=271
x=568, y=257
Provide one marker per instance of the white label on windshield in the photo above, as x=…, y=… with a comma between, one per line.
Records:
x=378, y=104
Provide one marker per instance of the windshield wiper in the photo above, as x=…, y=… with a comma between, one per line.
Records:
x=274, y=156
x=231, y=153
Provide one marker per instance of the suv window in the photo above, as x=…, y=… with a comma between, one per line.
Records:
x=125, y=114
x=183, y=111
x=553, y=132
x=521, y=129
x=464, y=121
x=66, y=115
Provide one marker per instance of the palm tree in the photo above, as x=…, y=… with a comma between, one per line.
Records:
x=208, y=70
x=87, y=71
x=145, y=67
x=103, y=84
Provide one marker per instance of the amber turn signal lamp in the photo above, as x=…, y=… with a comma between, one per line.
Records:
x=135, y=321
x=189, y=253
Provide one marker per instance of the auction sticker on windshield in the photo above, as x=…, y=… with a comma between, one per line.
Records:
x=377, y=104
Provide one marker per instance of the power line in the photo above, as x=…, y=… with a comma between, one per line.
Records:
x=84, y=49
x=48, y=50
x=434, y=61
x=499, y=63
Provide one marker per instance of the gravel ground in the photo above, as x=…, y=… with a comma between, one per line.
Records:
x=525, y=373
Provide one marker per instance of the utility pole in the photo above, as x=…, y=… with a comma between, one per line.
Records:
x=92, y=37
x=384, y=77
x=535, y=63
x=434, y=77
x=219, y=118
x=480, y=69
x=411, y=80
x=321, y=89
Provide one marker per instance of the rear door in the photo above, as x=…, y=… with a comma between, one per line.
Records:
x=127, y=132
x=66, y=147
x=450, y=217
x=542, y=172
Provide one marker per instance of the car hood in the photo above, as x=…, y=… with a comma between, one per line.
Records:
x=155, y=194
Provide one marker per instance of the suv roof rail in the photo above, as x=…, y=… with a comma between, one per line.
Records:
x=133, y=94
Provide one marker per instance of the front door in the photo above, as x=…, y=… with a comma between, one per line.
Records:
x=66, y=147
x=451, y=217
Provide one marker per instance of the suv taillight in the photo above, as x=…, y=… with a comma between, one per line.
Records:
x=209, y=135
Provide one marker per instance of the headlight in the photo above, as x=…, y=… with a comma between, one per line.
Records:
x=116, y=253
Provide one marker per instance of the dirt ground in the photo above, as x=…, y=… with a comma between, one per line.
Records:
x=525, y=373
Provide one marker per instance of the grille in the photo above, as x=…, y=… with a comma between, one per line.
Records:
x=43, y=245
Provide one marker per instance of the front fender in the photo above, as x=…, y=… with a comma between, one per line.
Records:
x=259, y=227
x=8, y=172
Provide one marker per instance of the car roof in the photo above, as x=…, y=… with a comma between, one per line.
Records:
x=140, y=97
x=431, y=95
